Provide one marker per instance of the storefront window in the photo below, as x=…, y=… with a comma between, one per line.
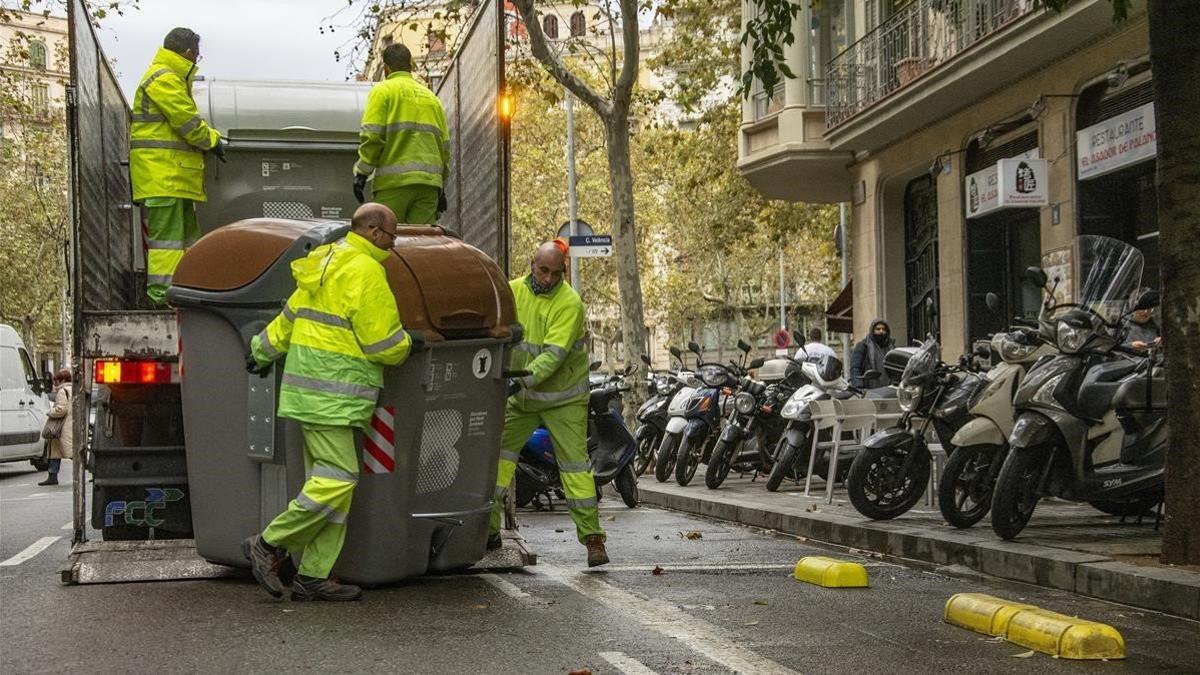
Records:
x=999, y=249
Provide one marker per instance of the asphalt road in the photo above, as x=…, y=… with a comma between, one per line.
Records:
x=723, y=602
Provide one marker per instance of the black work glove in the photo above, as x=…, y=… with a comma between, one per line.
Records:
x=442, y=205
x=220, y=148
x=417, y=337
x=360, y=184
x=253, y=368
x=514, y=386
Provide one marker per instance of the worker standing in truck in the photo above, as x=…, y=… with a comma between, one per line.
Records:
x=555, y=394
x=404, y=144
x=167, y=142
x=338, y=329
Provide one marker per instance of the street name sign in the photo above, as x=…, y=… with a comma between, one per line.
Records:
x=594, y=246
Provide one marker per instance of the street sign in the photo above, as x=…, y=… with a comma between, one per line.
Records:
x=585, y=229
x=594, y=246
x=783, y=339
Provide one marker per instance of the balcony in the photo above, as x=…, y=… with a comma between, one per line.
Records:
x=933, y=57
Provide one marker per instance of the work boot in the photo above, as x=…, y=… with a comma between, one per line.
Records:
x=307, y=588
x=595, y=548
x=494, y=541
x=267, y=562
x=52, y=479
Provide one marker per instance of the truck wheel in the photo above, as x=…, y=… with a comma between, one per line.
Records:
x=627, y=484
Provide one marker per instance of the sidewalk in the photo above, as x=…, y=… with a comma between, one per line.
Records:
x=1067, y=546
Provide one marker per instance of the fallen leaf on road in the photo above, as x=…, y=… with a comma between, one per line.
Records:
x=760, y=602
x=658, y=571
x=560, y=531
x=812, y=508
x=691, y=535
x=581, y=671
x=750, y=623
x=656, y=537
x=1023, y=655
x=611, y=518
x=288, y=610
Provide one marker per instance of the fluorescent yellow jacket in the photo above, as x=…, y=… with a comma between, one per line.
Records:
x=404, y=139
x=167, y=137
x=553, y=349
x=338, y=329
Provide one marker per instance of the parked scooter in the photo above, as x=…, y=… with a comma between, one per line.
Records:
x=1091, y=422
x=965, y=486
x=695, y=420
x=753, y=427
x=611, y=449
x=652, y=415
x=891, y=471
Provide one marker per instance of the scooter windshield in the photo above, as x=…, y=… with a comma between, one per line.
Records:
x=1108, y=274
x=921, y=365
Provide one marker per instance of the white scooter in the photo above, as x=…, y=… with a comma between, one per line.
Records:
x=980, y=446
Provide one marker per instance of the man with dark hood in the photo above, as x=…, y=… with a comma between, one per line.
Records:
x=868, y=356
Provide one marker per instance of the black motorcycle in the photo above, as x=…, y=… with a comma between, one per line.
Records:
x=652, y=416
x=891, y=471
x=754, y=421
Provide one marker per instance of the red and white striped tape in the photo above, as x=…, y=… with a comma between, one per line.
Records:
x=379, y=442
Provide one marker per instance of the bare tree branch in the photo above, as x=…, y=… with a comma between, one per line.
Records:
x=541, y=50
x=629, y=68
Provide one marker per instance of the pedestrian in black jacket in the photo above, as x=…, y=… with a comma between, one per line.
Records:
x=868, y=355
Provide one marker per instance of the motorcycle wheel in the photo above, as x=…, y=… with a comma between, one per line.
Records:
x=965, y=488
x=1138, y=507
x=877, y=487
x=783, y=466
x=645, y=454
x=719, y=464
x=1015, y=496
x=626, y=484
x=686, y=461
x=665, y=461
x=527, y=489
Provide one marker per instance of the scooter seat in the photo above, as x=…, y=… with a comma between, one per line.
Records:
x=1100, y=386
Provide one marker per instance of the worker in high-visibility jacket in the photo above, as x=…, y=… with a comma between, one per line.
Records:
x=554, y=394
x=338, y=330
x=167, y=142
x=404, y=144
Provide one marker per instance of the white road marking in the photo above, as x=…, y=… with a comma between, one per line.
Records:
x=33, y=549
x=698, y=567
x=666, y=618
x=626, y=664
x=504, y=586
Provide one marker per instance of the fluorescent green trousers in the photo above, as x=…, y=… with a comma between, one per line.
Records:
x=568, y=431
x=314, y=523
x=172, y=229
x=412, y=204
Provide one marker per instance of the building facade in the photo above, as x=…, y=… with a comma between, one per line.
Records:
x=971, y=139
x=33, y=51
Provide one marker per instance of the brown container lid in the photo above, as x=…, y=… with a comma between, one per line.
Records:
x=237, y=254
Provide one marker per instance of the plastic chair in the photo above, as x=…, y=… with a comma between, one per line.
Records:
x=855, y=414
x=824, y=416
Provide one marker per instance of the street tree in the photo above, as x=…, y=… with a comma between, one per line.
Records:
x=1175, y=63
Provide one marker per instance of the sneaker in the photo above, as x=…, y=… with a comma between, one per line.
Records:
x=307, y=588
x=50, y=480
x=596, y=553
x=494, y=542
x=267, y=562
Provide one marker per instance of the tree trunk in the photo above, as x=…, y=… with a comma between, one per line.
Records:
x=1175, y=56
x=629, y=281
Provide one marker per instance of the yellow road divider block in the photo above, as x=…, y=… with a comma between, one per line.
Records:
x=982, y=613
x=830, y=572
x=1064, y=636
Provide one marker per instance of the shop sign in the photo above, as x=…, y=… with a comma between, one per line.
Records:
x=983, y=188
x=1117, y=142
x=1023, y=182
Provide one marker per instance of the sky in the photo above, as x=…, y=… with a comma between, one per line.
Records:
x=277, y=39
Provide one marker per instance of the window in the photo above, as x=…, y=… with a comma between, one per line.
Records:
x=11, y=376
x=435, y=43
x=40, y=99
x=578, y=25
x=37, y=54
x=830, y=28
x=27, y=364
x=550, y=27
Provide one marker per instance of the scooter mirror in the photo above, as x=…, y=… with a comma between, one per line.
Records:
x=694, y=348
x=594, y=366
x=993, y=302
x=675, y=352
x=1036, y=276
x=645, y=359
x=798, y=337
x=871, y=374
x=757, y=363
x=744, y=346
x=630, y=368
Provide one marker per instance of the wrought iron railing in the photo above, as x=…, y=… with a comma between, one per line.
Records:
x=916, y=39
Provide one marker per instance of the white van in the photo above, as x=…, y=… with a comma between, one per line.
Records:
x=23, y=403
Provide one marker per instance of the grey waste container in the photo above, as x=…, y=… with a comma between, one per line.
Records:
x=423, y=497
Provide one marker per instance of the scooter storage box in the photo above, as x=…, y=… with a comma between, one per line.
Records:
x=780, y=370
x=428, y=458
x=896, y=360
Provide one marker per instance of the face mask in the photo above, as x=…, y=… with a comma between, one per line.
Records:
x=880, y=340
x=537, y=288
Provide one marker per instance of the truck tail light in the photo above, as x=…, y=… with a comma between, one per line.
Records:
x=117, y=371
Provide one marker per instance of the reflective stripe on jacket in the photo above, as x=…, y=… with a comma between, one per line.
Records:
x=404, y=139
x=167, y=137
x=553, y=350
x=338, y=329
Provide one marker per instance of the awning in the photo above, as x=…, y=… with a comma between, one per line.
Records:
x=839, y=316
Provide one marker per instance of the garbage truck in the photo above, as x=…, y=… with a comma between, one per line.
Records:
x=158, y=482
